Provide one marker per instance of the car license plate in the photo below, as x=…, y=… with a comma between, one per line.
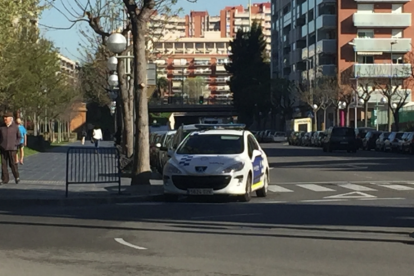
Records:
x=200, y=191
x=344, y=143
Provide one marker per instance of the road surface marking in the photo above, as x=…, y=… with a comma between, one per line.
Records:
x=278, y=189
x=271, y=168
x=356, y=187
x=315, y=188
x=225, y=216
x=121, y=241
x=398, y=187
x=384, y=198
x=323, y=200
x=352, y=195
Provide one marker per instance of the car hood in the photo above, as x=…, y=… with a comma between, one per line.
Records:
x=204, y=164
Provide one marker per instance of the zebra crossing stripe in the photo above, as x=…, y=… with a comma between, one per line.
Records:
x=356, y=187
x=398, y=187
x=315, y=188
x=278, y=189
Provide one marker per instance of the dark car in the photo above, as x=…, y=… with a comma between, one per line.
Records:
x=340, y=138
x=370, y=139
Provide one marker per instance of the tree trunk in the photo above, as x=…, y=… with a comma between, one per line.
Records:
x=366, y=113
x=141, y=172
x=324, y=119
x=337, y=116
x=396, y=119
x=347, y=116
x=127, y=102
x=315, y=120
x=35, y=127
x=389, y=118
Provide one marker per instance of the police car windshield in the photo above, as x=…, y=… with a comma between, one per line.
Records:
x=212, y=144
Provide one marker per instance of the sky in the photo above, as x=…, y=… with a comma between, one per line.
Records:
x=71, y=43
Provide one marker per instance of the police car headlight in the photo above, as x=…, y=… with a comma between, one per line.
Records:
x=234, y=168
x=171, y=169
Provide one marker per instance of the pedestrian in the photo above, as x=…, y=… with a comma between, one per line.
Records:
x=84, y=134
x=23, y=142
x=97, y=136
x=10, y=138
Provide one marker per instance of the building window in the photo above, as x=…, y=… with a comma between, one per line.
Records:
x=397, y=58
x=396, y=33
x=365, y=8
x=366, y=59
x=397, y=8
x=365, y=33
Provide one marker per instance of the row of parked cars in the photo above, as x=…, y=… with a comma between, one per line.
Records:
x=270, y=136
x=350, y=139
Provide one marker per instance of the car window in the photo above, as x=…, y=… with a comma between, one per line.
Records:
x=343, y=132
x=212, y=144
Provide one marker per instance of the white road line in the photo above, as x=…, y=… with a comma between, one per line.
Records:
x=121, y=241
x=278, y=189
x=398, y=187
x=356, y=187
x=271, y=168
x=315, y=188
x=385, y=198
x=323, y=200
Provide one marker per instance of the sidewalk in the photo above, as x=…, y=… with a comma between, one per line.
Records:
x=42, y=181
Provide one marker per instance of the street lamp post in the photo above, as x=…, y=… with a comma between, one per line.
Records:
x=391, y=86
x=315, y=116
x=341, y=106
x=116, y=43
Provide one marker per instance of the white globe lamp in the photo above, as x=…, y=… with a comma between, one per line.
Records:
x=116, y=43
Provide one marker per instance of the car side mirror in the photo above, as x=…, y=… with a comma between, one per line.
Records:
x=170, y=152
x=158, y=145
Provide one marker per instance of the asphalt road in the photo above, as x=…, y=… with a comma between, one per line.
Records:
x=274, y=236
x=305, y=174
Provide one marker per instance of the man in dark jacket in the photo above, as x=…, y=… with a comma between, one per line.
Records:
x=9, y=140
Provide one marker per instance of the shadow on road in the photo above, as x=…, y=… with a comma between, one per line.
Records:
x=296, y=221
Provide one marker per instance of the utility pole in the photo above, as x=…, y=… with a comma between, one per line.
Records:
x=250, y=14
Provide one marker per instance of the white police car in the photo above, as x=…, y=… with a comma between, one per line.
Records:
x=217, y=159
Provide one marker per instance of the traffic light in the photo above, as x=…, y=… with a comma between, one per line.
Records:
x=201, y=100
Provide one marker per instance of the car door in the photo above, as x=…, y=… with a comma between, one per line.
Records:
x=256, y=157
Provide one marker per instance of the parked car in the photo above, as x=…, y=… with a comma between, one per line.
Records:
x=370, y=139
x=392, y=141
x=408, y=145
x=340, y=138
x=380, y=142
x=279, y=137
x=360, y=133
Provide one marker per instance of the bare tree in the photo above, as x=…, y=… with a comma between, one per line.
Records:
x=396, y=92
x=139, y=14
x=365, y=89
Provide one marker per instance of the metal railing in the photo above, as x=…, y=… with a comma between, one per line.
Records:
x=189, y=101
x=90, y=165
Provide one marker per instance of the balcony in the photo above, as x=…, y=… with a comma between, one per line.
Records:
x=308, y=52
x=403, y=45
x=386, y=70
x=387, y=20
x=326, y=21
x=326, y=46
x=326, y=70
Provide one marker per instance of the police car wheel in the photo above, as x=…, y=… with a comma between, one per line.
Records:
x=262, y=192
x=248, y=195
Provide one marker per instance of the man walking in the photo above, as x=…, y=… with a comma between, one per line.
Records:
x=23, y=142
x=10, y=138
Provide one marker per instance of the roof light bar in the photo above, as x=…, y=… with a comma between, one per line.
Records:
x=220, y=126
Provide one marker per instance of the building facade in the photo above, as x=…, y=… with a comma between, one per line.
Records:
x=191, y=52
x=357, y=40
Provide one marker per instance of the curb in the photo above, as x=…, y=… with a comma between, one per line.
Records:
x=79, y=201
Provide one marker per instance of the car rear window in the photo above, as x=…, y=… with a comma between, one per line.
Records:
x=343, y=132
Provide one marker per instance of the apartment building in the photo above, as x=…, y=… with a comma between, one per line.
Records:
x=304, y=38
x=375, y=37
x=67, y=65
x=190, y=57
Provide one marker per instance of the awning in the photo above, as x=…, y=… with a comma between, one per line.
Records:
x=369, y=53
